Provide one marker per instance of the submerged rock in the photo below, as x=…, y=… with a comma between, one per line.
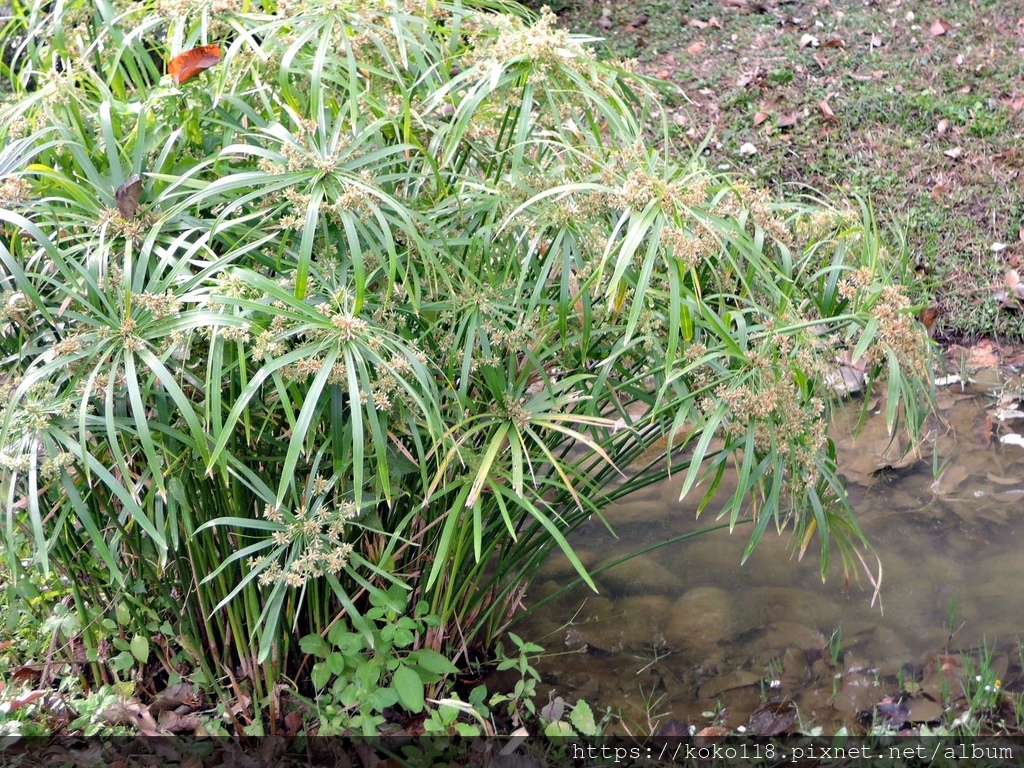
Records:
x=712, y=688
x=701, y=618
x=641, y=575
x=762, y=607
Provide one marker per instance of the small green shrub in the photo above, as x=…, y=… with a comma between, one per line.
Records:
x=404, y=299
x=369, y=674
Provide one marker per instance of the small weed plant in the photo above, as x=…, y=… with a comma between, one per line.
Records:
x=341, y=337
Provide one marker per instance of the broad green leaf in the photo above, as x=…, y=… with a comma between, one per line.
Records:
x=140, y=648
x=409, y=687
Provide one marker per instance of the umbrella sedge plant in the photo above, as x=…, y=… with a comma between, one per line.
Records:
x=400, y=299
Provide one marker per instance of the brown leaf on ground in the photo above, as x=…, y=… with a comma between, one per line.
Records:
x=893, y=711
x=1015, y=105
x=131, y=712
x=171, y=722
x=748, y=77
x=788, y=121
x=773, y=718
x=292, y=724
x=940, y=27
x=834, y=42
x=673, y=729
x=695, y=48
x=1014, y=284
x=954, y=153
x=698, y=24
x=826, y=110
x=25, y=699
x=809, y=40
x=173, y=697
x=942, y=127
x=711, y=732
x=760, y=117
x=984, y=354
x=876, y=41
x=928, y=317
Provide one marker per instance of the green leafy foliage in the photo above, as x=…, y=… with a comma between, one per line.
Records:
x=360, y=675
x=404, y=301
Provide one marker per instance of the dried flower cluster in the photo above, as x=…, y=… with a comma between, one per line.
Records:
x=311, y=541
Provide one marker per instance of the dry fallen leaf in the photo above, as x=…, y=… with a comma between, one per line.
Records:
x=955, y=152
x=826, y=110
x=748, y=149
x=24, y=700
x=787, y=121
x=834, y=42
x=942, y=127
x=1018, y=291
x=876, y=41
x=711, y=731
x=695, y=48
x=760, y=117
x=984, y=354
x=605, y=22
x=940, y=27
x=809, y=40
x=928, y=317
x=698, y=24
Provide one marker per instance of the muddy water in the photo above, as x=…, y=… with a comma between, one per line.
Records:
x=683, y=630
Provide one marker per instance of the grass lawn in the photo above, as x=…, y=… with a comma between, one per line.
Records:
x=919, y=105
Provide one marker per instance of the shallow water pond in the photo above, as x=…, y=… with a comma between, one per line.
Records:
x=683, y=630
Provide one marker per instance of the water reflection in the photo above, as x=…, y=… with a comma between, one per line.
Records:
x=683, y=630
